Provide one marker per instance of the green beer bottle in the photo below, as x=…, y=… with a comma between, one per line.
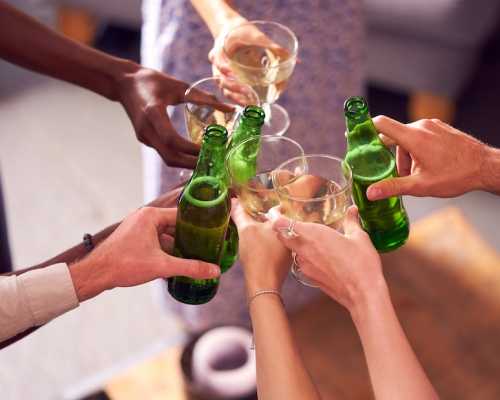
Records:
x=385, y=220
x=202, y=218
x=248, y=125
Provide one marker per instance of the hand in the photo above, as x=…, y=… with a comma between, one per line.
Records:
x=145, y=94
x=221, y=67
x=168, y=199
x=433, y=159
x=345, y=266
x=266, y=262
x=136, y=253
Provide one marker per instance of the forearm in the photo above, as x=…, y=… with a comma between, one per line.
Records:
x=281, y=373
x=73, y=254
x=28, y=43
x=215, y=13
x=490, y=174
x=395, y=371
x=69, y=256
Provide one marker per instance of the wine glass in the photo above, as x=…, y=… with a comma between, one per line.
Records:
x=199, y=116
x=313, y=188
x=263, y=55
x=250, y=166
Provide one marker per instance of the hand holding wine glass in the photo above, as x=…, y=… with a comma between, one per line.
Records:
x=345, y=266
x=266, y=262
x=261, y=54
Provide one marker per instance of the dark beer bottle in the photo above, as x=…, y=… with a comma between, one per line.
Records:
x=385, y=220
x=202, y=218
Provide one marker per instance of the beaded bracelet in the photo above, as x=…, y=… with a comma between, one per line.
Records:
x=88, y=243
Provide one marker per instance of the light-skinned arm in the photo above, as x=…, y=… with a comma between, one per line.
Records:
x=144, y=93
x=435, y=159
x=348, y=269
x=281, y=373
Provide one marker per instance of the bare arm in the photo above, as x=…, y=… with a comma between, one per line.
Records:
x=281, y=373
x=28, y=43
x=144, y=93
x=354, y=278
x=395, y=371
x=490, y=168
x=216, y=13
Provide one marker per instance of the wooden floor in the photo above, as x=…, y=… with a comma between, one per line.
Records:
x=445, y=284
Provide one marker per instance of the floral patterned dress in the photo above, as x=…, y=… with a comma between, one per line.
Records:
x=330, y=32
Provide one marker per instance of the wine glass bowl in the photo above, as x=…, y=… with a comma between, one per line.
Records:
x=199, y=116
x=250, y=166
x=313, y=188
x=263, y=54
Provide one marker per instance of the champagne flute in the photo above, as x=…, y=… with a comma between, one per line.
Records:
x=250, y=166
x=313, y=188
x=263, y=55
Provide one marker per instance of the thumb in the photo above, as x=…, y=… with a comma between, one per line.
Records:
x=391, y=187
x=351, y=221
x=191, y=268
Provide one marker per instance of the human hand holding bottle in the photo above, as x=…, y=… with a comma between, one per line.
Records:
x=435, y=159
x=135, y=253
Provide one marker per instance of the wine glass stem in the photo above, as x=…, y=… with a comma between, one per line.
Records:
x=267, y=110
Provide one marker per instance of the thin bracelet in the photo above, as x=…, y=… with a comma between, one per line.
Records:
x=257, y=294
x=264, y=291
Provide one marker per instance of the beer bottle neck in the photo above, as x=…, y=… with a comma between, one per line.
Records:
x=360, y=128
x=249, y=124
x=211, y=160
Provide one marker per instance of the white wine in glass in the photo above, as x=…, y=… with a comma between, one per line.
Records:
x=263, y=54
x=312, y=198
x=255, y=191
x=266, y=70
x=314, y=188
x=198, y=116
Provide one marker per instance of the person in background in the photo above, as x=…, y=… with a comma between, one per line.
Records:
x=177, y=37
x=353, y=277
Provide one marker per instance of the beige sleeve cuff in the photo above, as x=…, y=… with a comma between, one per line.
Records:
x=49, y=292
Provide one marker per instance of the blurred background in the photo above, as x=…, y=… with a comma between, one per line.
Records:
x=70, y=164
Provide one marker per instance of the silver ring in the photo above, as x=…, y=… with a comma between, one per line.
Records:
x=289, y=232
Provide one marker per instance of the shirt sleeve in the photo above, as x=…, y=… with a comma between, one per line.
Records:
x=34, y=298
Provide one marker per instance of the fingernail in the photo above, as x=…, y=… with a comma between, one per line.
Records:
x=374, y=193
x=214, y=270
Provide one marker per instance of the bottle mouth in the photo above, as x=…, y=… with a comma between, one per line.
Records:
x=255, y=114
x=206, y=191
x=355, y=106
x=216, y=133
